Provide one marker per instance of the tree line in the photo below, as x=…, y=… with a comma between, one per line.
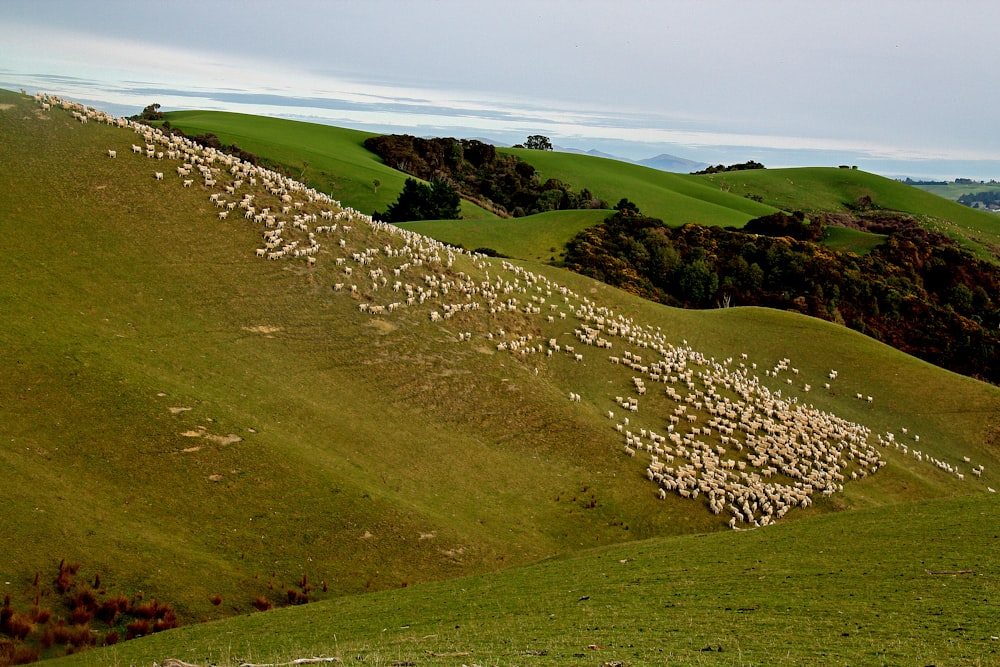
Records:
x=917, y=292
x=504, y=184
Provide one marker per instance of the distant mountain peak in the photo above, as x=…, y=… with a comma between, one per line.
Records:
x=667, y=162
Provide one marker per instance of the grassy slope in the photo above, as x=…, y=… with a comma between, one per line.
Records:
x=674, y=198
x=867, y=587
x=331, y=159
x=119, y=307
x=539, y=238
x=852, y=240
x=829, y=189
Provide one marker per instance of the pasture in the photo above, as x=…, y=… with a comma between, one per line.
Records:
x=832, y=189
x=331, y=159
x=674, y=198
x=537, y=238
x=189, y=419
x=902, y=585
x=953, y=190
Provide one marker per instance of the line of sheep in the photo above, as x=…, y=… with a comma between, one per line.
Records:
x=715, y=430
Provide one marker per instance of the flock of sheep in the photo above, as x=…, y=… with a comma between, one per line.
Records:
x=710, y=430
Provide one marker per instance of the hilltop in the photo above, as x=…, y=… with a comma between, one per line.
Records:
x=195, y=422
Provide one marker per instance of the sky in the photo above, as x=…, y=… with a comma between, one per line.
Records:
x=901, y=88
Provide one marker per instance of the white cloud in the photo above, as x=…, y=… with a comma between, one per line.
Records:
x=771, y=76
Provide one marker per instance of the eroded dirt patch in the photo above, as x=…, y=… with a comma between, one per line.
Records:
x=224, y=439
x=262, y=329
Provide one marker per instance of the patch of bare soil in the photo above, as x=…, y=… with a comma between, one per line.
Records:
x=383, y=326
x=262, y=329
x=224, y=440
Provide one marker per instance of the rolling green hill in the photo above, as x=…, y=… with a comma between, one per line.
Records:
x=832, y=189
x=674, y=198
x=189, y=420
x=331, y=159
x=339, y=164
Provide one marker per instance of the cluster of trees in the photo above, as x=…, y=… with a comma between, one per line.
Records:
x=149, y=112
x=501, y=183
x=918, y=294
x=985, y=199
x=436, y=200
x=742, y=166
x=536, y=142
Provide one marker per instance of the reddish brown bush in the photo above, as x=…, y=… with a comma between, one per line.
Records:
x=167, y=622
x=85, y=598
x=6, y=613
x=45, y=639
x=261, y=604
x=18, y=626
x=110, y=608
x=80, y=616
x=137, y=628
x=12, y=653
x=216, y=600
x=64, y=580
x=80, y=636
x=60, y=633
x=111, y=638
x=40, y=615
x=149, y=610
x=294, y=597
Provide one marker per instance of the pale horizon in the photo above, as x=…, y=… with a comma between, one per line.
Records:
x=899, y=88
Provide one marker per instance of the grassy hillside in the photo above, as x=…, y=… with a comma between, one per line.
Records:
x=334, y=161
x=539, y=238
x=904, y=585
x=331, y=159
x=674, y=198
x=830, y=189
x=852, y=240
x=188, y=419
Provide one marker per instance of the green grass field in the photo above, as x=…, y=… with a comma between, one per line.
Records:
x=954, y=190
x=539, y=238
x=852, y=240
x=904, y=585
x=674, y=198
x=188, y=420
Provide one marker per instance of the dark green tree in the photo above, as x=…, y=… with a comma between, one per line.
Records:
x=151, y=112
x=437, y=200
x=538, y=142
x=625, y=207
x=445, y=202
